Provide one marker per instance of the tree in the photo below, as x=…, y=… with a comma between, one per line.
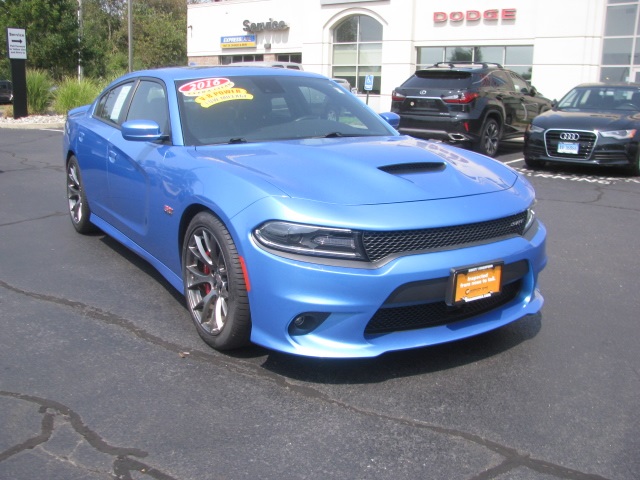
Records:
x=56, y=44
x=52, y=32
x=159, y=32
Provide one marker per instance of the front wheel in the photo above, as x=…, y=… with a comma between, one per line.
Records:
x=634, y=168
x=77, y=200
x=489, y=138
x=533, y=164
x=214, y=284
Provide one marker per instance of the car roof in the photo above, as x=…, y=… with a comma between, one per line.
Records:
x=462, y=65
x=172, y=74
x=608, y=85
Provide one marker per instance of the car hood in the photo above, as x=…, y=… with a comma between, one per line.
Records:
x=585, y=120
x=364, y=171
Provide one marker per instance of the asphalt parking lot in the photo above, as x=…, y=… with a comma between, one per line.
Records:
x=103, y=375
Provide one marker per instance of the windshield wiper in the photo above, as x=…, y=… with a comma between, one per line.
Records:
x=237, y=140
x=340, y=134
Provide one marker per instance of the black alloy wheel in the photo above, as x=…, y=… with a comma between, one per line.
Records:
x=214, y=284
x=78, y=206
x=489, y=138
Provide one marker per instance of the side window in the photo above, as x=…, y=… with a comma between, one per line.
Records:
x=150, y=103
x=315, y=101
x=520, y=83
x=500, y=80
x=110, y=105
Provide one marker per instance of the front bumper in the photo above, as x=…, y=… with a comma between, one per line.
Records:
x=593, y=150
x=347, y=299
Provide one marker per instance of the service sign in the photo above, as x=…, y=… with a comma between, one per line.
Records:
x=17, y=43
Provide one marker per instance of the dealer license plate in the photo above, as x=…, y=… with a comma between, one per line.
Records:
x=475, y=283
x=571, y=148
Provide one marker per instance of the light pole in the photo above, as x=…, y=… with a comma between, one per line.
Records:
x=80, y=34
x=130, y=33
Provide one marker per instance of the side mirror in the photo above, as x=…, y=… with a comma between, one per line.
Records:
x=533, y=92
x=141, y=131
x=391, y=118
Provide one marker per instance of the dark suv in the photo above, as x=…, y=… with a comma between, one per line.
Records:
x=6, y=91
x=478, y=104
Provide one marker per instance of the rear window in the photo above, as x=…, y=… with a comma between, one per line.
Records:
x=438, y=79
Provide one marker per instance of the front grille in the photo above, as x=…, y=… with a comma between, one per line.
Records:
x=378, y=245
x=587, y=141
x=388, y=320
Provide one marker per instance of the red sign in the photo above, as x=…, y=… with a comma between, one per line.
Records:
x=492, y=14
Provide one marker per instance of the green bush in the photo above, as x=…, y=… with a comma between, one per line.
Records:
x=74, y=93
x=39, y=86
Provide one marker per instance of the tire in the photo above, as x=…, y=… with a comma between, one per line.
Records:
x=79, y=210
x=214, y=284
x=533, y=164
x=489, y=138
x=634, y=169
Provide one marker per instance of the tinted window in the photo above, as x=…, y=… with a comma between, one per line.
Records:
x=264, y=108
x=149, y=103
x=111, y=105
x=600, y=98
x=520, y=83
x=438, y=79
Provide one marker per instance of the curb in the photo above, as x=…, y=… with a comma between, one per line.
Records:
x=31, y=126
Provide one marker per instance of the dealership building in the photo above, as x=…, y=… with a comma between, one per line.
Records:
x=555, y=44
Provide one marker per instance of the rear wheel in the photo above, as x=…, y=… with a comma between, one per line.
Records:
x=214, y=284
x=78, y=206
x=489, y=138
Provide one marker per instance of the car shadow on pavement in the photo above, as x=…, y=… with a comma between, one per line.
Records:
x=406, y=363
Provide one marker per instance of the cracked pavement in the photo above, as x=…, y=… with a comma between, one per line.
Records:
x=102, y=375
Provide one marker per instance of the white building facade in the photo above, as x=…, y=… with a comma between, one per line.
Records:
x=556, y=44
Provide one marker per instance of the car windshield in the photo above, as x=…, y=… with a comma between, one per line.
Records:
x=254, y=108
x=601, y=98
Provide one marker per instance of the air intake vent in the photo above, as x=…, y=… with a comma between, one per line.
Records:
x=413, y=168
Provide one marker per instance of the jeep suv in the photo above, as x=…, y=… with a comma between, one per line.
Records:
x=477, y=104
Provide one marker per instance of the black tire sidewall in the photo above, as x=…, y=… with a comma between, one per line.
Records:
x=237, y=328
x=481, y=145
x=84, y=225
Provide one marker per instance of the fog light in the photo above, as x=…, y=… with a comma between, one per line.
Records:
x=306, y=322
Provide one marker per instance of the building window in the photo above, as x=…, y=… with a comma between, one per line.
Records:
x=289, y=57
x=227, y=59
x=357, y=51
x=518, y=58
x=621, y=43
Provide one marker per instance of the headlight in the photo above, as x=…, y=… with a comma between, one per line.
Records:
x=531, y=217
x=619, y=134
x=310, y=240
x=534, y=128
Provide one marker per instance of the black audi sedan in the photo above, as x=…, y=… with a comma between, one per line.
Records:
x=593, y=124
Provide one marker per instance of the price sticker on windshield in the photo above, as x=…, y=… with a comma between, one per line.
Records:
x=474, y=283
x=212, y=91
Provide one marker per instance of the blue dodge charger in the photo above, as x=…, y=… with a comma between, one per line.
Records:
x=292, y=216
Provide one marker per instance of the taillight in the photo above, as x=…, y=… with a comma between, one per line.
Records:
x=464, y=97
x=397, y=97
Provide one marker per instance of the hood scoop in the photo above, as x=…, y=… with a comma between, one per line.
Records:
x=413, y=168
